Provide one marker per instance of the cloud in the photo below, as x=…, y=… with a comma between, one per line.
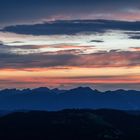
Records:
x=97, y=41
x=72, y=27
x=135, y=49
x=134, y=37
x=72, y=59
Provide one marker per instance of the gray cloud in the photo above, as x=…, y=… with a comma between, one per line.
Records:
x=97, y=41
x=73, y=27
x=65, y=59
x=134, y=37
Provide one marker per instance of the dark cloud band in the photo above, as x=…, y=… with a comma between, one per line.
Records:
x=73, y=27
x=95, y=60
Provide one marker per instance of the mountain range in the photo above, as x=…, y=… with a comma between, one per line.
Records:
x=44, y=98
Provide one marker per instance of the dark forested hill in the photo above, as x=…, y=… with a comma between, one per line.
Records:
x=70, y=125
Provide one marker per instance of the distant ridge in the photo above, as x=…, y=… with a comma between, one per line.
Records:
x=44, y=98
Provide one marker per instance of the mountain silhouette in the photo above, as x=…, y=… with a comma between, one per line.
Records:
x=44, y=98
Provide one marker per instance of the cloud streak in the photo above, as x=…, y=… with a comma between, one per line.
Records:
x=66, y=58
x=72, y=27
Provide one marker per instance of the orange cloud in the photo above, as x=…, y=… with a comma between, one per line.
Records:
x=135, y=49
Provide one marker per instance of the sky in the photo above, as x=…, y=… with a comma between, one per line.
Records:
x=70, y=43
